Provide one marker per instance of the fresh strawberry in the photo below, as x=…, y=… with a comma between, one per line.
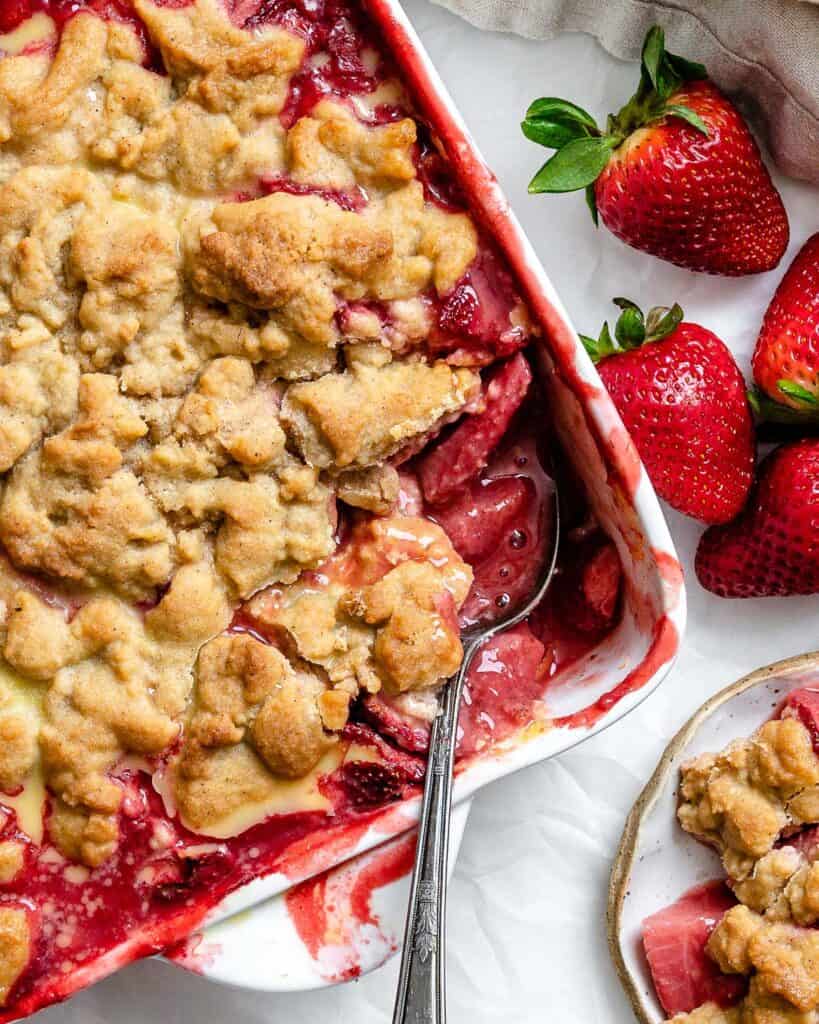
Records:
x=683, y=400
x=786, y=357
x=676, y=172
x=771, y=549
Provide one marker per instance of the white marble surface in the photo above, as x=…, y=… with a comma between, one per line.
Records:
x=527, y=902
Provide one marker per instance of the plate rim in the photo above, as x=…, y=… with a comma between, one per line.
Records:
x=627, y=848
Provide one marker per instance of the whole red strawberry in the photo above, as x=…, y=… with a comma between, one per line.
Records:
x=683, y=400
x=786, y=357
x=771, y=549
x=676, y=173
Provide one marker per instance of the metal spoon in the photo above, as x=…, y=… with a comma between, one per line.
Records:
x=422, y=981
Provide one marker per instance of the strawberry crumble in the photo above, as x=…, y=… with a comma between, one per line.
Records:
x=269, y=438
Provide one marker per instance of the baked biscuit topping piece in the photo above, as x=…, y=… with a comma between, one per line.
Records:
x=383, y=615
x=740, y=801
x=119, y=683
x=15, y=947
x=366, y=414
x=256, y=719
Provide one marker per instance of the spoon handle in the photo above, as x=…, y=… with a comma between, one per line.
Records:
x=421, y=984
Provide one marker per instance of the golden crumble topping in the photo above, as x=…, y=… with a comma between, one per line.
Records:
x=710, y=1013
x=740, y=801
x=15, y=939
x=194, y=367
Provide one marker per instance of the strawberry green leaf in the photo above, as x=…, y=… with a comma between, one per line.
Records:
x=661, y=76
x=694, y=119
x=630, y=330
x=688, y=70
x=574, y=166
x=662, y=321
x=591, y=202
x=551, y=133
x=798, y=392
x=599, y=348
x=656, y=66
x=590, y=345
x=549, y=108
x=554, y=122
x=653, y=53
x=622, y=303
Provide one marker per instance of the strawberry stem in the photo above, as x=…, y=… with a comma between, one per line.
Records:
x=583, y=151
x=632, y=329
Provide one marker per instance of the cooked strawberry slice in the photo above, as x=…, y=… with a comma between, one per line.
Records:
x=475, y=318
x=450, y=465
x=804, y=706
x=369, y=784
x=806, y=842
x=674, y=940
x=409, y=734
x=587, y=591
x=485, y=516
x=405, y=766
x=503, y=681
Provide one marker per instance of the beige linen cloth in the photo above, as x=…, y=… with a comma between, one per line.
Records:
x=764, y=53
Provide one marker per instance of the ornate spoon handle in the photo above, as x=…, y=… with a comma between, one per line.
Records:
x=421, y=988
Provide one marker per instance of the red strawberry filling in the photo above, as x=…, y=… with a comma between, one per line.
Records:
x=354, y=200
x=804, y=705
x=587, y=590
x=475, y=317
x=465, y=452
x=674, y=941
x=404, y=730
x=505, y=681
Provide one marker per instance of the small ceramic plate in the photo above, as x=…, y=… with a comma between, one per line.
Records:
x=657, y=862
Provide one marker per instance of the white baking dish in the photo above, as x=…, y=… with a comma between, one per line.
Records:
x=263, y=949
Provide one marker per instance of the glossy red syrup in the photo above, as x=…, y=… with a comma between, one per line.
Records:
x=354, y=200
